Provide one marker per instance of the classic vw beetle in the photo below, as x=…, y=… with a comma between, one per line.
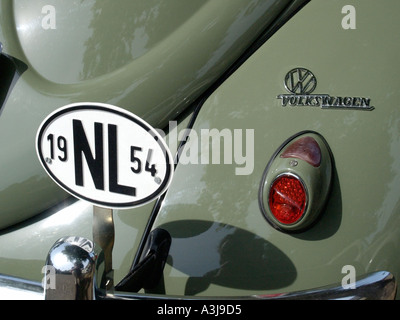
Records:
x=199, y=149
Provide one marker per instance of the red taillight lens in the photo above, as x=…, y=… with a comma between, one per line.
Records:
x=287, y=199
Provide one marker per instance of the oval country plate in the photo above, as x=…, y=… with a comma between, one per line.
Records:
x=104, y=154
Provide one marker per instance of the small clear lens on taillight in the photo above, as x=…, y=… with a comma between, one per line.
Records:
x=287, y=199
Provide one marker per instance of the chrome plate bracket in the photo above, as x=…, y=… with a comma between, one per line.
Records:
x=104, y=235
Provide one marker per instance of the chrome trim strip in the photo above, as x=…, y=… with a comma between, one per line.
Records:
x=12, y=288
x=380, y=285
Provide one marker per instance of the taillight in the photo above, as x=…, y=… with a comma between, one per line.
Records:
x=296, y=182
x=287, y=199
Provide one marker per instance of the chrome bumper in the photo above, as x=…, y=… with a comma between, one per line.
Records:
x=76, y=270
x=374, y=286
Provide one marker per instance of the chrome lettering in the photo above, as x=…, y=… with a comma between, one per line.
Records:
x=300, y=82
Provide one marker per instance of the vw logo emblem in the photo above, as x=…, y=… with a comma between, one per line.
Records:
x=300, y=81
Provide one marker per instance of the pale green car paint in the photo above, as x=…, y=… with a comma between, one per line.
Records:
x=167, y=73
x=156, y=80
x=222, y=244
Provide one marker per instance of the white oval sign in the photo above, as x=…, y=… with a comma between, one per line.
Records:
x=104, y=154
